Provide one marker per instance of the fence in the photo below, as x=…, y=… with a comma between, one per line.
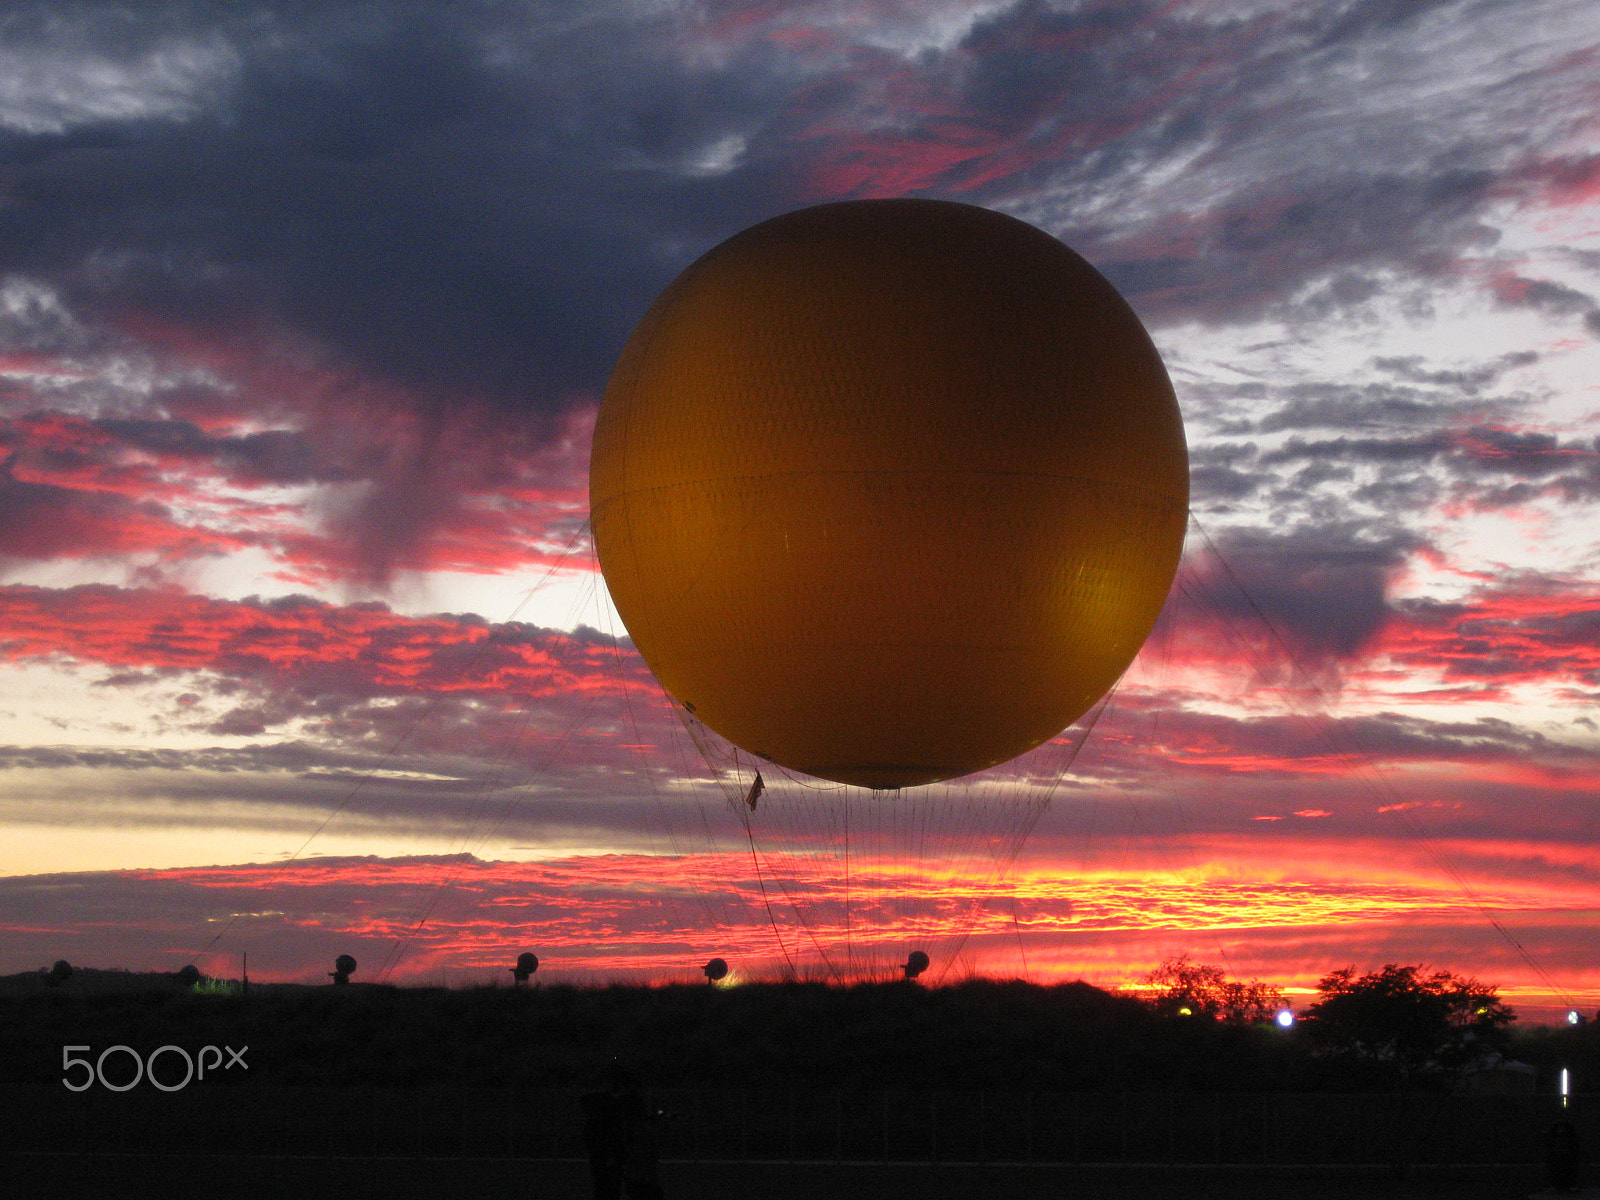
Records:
x=867, y=1126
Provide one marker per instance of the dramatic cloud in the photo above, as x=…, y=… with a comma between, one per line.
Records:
x=304, y=316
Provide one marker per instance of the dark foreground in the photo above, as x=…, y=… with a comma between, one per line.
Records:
x=247, y=1178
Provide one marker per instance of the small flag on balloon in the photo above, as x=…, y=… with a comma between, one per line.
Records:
x=756, y=789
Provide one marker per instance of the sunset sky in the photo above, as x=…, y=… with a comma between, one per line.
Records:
x=304, y=315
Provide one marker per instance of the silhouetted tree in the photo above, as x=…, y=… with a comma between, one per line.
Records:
x=188, y=975
x=1401, y=1019
x=343, y=967
x=916, y=964
x=59, y=973
x=527, y=964
x=1201, y=990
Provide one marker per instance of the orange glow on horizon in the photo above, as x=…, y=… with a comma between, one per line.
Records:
x=645, y=918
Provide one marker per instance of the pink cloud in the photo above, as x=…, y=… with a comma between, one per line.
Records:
x=362, y=647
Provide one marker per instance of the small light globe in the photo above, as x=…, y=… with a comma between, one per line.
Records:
x=1574, y=1017
x=1285, y=1018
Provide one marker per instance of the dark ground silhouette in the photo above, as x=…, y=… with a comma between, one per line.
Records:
x=981, y=1035
x=113, y=1177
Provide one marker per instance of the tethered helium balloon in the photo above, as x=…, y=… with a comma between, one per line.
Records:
x=889, y=491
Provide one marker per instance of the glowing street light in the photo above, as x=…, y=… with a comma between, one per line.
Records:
x=1285, y=1018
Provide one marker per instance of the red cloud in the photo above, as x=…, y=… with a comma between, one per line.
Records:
x=1543, y=631
x=1574, y=181
x=363, y=648
x=395, y=480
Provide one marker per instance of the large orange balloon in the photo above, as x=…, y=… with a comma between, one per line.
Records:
x=889, y=491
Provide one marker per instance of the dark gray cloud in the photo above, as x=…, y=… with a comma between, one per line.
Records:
x=1384, y=450
x=273, y=455
x=1299, y=180
x=1419, y=396
x=410, y=238
x=1470, y=380
x=401, y=184
x=1548, y=297
x=1032, y=60
x=1211, y=484
x=1510, y=452
x=1491, y=468
x=1354, y=19
x=1378, y=449
x=483, y=199
x=1270, y=242
x=1303, y=599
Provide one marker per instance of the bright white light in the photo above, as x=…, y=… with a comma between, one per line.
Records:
x=1573, y=1018
x=1566, y=1086
x=1285, y=1018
